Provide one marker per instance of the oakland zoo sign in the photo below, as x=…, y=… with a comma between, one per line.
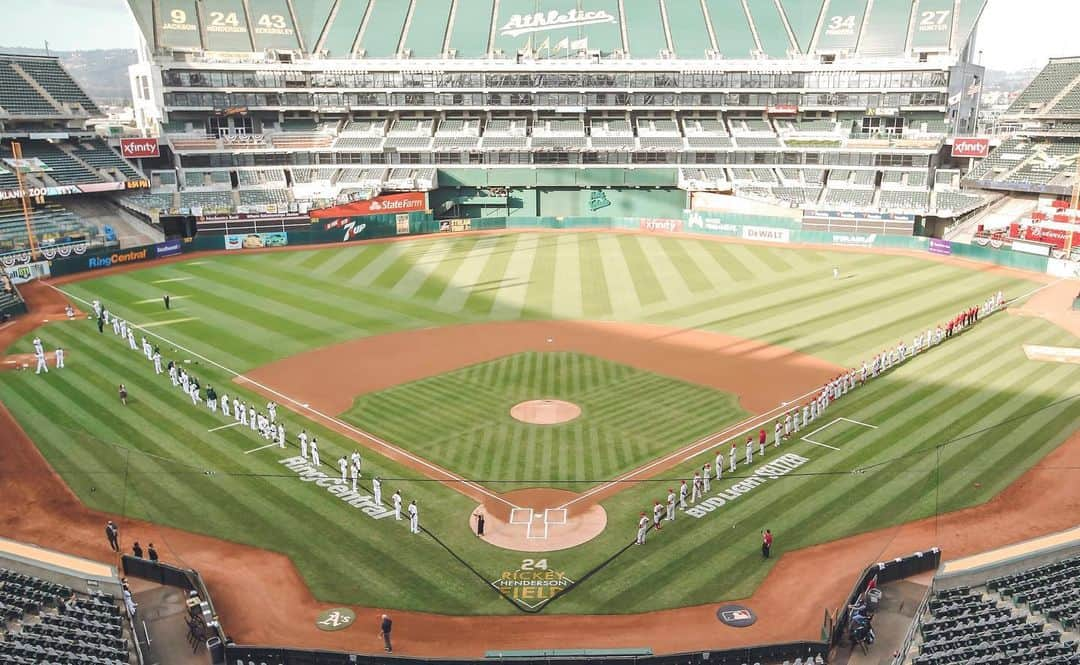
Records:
x=522, y=24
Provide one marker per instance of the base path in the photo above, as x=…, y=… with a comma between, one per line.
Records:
x=331, y=377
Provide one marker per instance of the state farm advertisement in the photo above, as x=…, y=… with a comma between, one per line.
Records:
x=976, y=148
x=139, y=148
x=380, y=205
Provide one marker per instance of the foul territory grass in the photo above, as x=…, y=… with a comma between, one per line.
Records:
x=629, y=417
x=157, y=458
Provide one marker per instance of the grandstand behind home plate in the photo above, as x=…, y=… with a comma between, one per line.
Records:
x=544, y=108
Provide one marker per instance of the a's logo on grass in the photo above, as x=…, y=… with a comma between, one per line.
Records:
x=338, y=618
x=532, y=585
x=736, y=616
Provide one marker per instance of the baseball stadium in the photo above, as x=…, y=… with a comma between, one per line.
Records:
x=562, y=331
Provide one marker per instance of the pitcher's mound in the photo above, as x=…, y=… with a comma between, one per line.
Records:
x=545, y=411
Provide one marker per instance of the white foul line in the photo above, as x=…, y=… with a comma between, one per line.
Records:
x=1036, y=290
x=254, y=450
x=224, y=426
x=342, y=424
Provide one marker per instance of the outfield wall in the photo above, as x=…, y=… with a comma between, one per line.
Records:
x=757, y=228
x=778, y=230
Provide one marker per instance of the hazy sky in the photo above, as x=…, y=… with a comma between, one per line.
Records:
x=1013, y=33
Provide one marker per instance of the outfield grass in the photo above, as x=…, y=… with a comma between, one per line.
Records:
x=628, y=418
x=150, y=459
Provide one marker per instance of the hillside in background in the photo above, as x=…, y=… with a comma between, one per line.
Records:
x=102, y=73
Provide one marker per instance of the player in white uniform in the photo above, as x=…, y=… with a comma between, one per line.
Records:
x=157, y=364
x=59, y=358
x=41, y=364
x=343, y=464
x=241, y=413
x=706, y=473
x=376, y=490
x=354, y=471
x=731, y=458
x=414, y=517
x=253, y=417
x=356, y=462
x=718, y=463
x=281, y=436
x=131, y=341
x=684, y=491
x=303, y=443
x=225, y=405
x=642, y=529
x=695, y=488
x=657, y=514
x=271, y=409
x=778, y=433
x=670, y=505
x=749, y=450
x=396, y=498
x=787, y=425
x=315, y=452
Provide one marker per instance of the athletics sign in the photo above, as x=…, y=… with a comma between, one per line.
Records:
x=523, y=24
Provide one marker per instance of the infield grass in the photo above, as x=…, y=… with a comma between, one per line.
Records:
x=629, y=417
x=157, y=458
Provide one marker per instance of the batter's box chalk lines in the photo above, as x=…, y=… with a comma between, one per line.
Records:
x=285, y=399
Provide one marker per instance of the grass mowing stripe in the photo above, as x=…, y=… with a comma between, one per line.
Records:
x=595, y=299
x=678, y=255
x=540, y=292
x=646, y=285
x=567, y=292
x=510, y=296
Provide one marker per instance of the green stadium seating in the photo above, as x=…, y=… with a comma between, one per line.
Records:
x=64, y=169
x=98, y=154
x=1054, y=78
x=50, y=224
x=48, y=73
x=18, y=97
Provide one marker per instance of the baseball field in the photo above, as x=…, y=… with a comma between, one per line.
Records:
x=414, y=353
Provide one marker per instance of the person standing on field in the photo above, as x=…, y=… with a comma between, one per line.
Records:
x=761, y=441
x=731, y=457
x=706, y=473
x=695, y=491
x=670, y=505
x=59, y=358
x=376, y=490
x=384, y=629
x=112, y=532
x=397, y=504
x=123, y=395
x=657, y=514
x=414, y=517
x=166, y=299
x=749, y=450
x=642, y=529
x=315, y=452
x=766, y=543
x=683, y=493
x=718, y=463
